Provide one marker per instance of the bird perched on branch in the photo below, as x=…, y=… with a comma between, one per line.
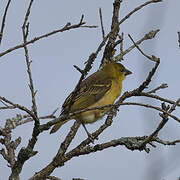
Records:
x=99, y=89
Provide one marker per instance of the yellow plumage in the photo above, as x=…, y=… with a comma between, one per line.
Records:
x=101, y=88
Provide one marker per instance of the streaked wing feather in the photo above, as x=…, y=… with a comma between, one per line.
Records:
x=91, y=90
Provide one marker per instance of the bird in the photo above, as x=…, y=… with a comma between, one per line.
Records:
x=99, y=89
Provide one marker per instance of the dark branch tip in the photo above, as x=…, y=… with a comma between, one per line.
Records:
x=78, y=69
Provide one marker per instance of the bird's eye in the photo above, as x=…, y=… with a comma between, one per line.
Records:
x=122, y=70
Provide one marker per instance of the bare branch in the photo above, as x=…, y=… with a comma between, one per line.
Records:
x=131, y=143
x=28, y=63
x=67, y=27
x=157, y=97
x=26, y=153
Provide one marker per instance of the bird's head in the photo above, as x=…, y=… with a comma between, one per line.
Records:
x=117, y=70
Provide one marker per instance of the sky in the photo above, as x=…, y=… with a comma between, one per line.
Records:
x=54, y=78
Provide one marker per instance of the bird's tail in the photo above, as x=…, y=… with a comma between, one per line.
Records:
x=58, y=125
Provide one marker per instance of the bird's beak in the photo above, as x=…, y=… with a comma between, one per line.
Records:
x=127, y=72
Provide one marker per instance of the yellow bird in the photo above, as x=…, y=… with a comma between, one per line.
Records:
x=101, y=88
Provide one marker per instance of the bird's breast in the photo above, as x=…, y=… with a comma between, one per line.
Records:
x=107, y=99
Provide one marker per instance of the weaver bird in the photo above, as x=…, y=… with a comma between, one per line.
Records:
x=99, y=89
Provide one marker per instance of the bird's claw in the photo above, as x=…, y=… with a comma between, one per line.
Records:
x=92, y=138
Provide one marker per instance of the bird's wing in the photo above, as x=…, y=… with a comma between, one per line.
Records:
x=91, y=90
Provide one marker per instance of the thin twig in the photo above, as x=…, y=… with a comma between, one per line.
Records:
x=23, y=108
x=150, y=58
x=78, y=69
x=7, y=107
x=162, y=86
x=119, y=41
x=4, y=103
x=81, y=20
x=147, y=36
x=92, y=26
x=137, y=9
x=166, y=142
x=150, y=75
x=101, y=20
x=4, y=20
x=179, y=38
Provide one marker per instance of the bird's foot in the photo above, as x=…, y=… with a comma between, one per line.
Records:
x=91, y=137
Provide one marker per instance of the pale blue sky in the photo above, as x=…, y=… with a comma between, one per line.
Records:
x=54, y=78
